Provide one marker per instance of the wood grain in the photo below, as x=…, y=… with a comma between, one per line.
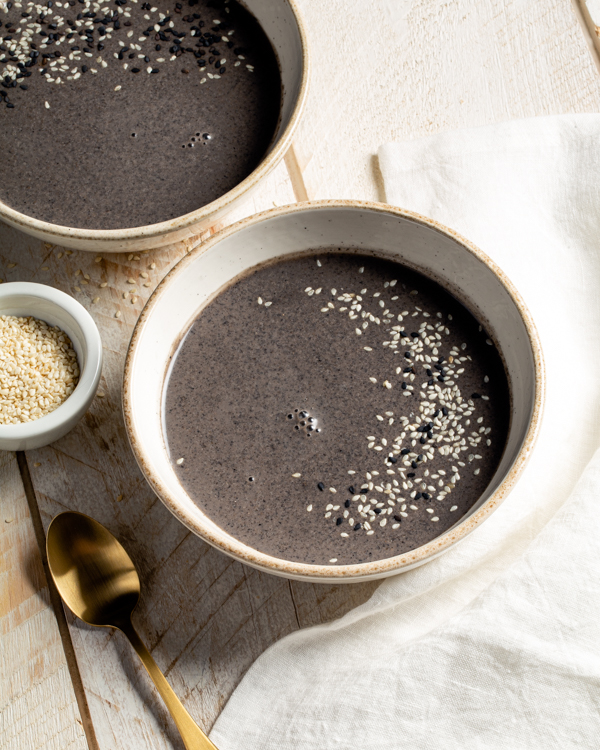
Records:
x=589, y=13
x=391, y=70
x=38, y=707
x=382, y=70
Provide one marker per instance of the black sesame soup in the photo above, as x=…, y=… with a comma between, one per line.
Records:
x=336, y=409
x=126, y=113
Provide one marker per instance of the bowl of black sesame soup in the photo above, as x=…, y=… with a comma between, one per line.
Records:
x=50, y=364
x=334, y=391
x=128, y=125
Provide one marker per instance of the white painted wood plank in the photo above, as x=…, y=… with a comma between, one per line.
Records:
x=390, y=70
x=38, y=708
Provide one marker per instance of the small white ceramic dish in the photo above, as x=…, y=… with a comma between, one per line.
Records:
x=282, y=23
x=58, y=309
x=372, y=228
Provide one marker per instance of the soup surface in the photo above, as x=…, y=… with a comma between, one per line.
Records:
x=126, y=113
x=335, y=409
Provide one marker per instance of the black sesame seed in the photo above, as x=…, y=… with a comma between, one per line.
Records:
x=414, y=464
x=154, y=70
x=339, y=521
x=358, y=526
x=411, y=474
x=414, y=335
x=84, y=68
x=347, y=504
x=377, y=511
x=404, y=452
x=418, y=496
x=426, y=495
x=398, y=519
x=157, y=47
x=135, y=70
x=321, y=486
x=403, y=386
x=392, y=459
x=420, y=457
x=23, y=87
x=422, y=439
x=351, y=490
x=407, y=355
x=476, y=395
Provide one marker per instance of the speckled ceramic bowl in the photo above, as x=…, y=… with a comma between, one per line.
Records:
x=283, y=25
x=388, y=232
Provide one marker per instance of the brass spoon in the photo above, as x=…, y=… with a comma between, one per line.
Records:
x=99, y=583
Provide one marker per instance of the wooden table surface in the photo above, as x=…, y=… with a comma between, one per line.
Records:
x=381, y=70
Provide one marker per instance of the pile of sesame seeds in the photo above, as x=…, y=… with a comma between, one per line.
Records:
x=38, y=369
x=441, y=424
x=63, y=40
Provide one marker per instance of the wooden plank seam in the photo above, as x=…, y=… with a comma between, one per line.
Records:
x=57, y=605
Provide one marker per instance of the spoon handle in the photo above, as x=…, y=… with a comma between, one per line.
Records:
x=191, y=734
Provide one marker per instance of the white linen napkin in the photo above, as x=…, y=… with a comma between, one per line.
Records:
x=496, y=644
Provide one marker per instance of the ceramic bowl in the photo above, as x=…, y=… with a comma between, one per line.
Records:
x=388, y=232
x=58, y=309
x=283, y=26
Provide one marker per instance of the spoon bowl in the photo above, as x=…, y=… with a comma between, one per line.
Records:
x=94, y=574
x=99, y=583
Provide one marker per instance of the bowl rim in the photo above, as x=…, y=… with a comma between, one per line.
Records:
x=186, y=221
x=359, y=571
x=89, y=374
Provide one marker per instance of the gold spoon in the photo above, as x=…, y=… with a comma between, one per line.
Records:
x=99, y=583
